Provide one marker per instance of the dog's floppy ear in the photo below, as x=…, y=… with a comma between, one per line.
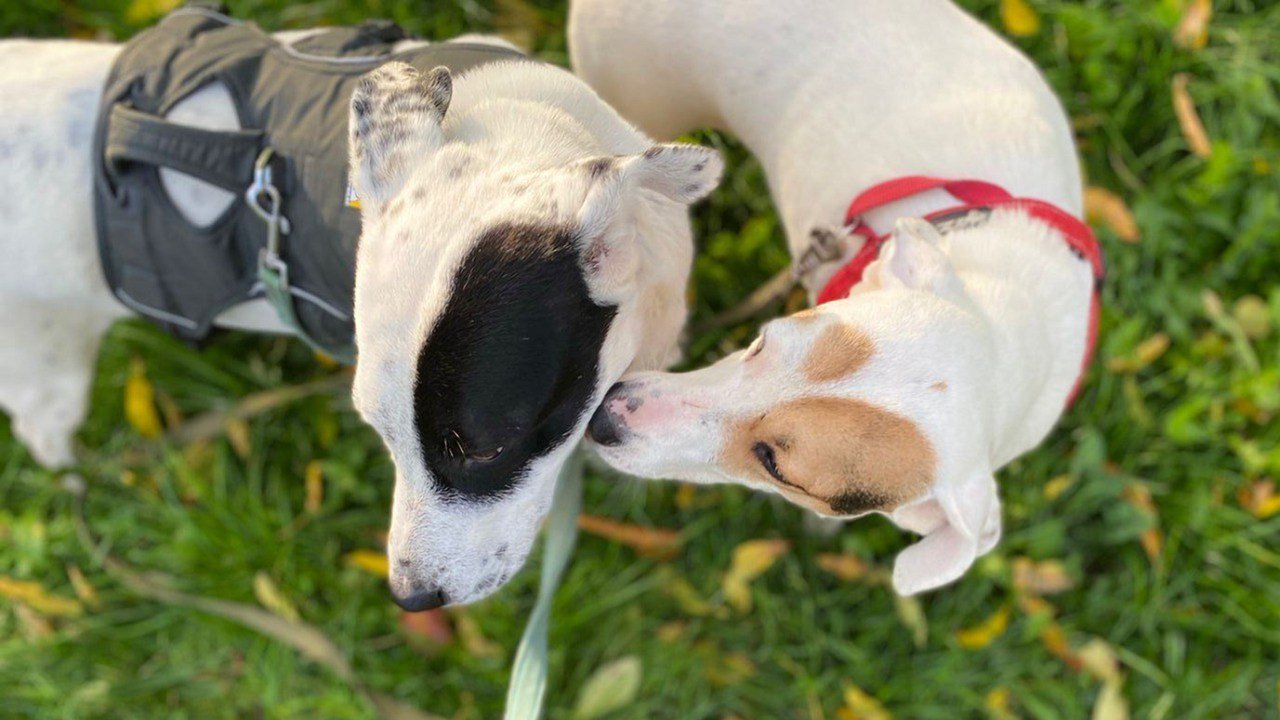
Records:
x=913, y=259
x=960, y=523
x=678, y=172
x=394, y=121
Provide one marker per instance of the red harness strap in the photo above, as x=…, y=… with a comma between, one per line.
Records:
x=973, y=195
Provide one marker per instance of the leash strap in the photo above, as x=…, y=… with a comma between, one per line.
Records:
x=528, y=685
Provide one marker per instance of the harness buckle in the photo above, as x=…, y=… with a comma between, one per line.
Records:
x=826, y=246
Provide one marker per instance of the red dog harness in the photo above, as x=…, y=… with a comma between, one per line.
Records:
x=975, y=196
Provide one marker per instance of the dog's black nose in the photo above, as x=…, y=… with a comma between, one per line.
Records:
x=604, y=428
x=421, y=600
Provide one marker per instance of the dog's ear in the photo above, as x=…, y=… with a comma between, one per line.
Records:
x=394, y=121
x=678, y=172
x=960, y=523
x=914, y=259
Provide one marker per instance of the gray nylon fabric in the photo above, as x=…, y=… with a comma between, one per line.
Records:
x=293, y=99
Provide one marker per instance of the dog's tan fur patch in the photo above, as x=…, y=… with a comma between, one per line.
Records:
x=839, y=352
x=838, y=456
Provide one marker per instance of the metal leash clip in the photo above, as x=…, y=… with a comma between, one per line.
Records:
x=261, y=191
x=826, y=245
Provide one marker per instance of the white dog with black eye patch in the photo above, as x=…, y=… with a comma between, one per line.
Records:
x=942, y=348
x=522, y=248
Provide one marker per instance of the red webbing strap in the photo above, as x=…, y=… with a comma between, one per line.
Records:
x=973, y=194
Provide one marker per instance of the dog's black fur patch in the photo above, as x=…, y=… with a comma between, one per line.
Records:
x=512, y=361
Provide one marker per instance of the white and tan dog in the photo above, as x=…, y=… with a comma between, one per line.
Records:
x=958, y=349
x=522, y=247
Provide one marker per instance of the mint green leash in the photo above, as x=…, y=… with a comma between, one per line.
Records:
x=528, y=684
x=273, y=272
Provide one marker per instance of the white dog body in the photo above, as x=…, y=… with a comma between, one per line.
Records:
x=961, y=349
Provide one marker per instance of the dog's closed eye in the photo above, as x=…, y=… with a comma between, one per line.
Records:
x=768, y=459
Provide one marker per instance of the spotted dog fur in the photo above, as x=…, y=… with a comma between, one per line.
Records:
x=522, y=248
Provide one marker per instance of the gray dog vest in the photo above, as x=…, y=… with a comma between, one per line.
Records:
x=290, y=235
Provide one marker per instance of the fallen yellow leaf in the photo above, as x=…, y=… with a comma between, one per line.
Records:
x=144, y=11
x=271, y=598
x=1054, y=638
x=750, y=559
x=37, y=598
x=728, y=670
x=1147, y=352
x=685, y=495
x=1152, y=539
x=1105, y=207
x=984, y=633
x=1253, y=315
x=858, y=705
x=1099, y=660
x=1058, y=485
x=86, y=592
x=997, y=704
x=314, y=478
x=239, y=436
x=140, y=402
x=657, y=543
x=687, y=596
x=843, y=565
x=1188, y=119
x=1260, y=499
x=1192, y=32
x=669, y=632
x=1020, y=19
x=1111, y=704
x=370, y=561
x=911, y=613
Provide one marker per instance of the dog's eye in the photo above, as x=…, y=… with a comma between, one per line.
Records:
x=764, y=453
x=754, y=348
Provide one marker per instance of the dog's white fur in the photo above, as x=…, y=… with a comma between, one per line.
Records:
x=978, y=336
x=513, y=120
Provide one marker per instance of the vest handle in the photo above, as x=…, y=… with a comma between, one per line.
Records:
x=219, y=157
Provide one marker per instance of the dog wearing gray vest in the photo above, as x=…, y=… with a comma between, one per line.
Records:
x=522, y=247
x=962, y=337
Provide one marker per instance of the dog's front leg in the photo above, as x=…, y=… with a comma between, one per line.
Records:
x=46, y=368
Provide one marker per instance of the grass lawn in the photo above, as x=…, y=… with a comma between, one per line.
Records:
x=1142, y=529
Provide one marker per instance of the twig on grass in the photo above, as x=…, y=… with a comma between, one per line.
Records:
x=212, y=424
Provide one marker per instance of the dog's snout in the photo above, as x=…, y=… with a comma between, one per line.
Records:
x=421, y=599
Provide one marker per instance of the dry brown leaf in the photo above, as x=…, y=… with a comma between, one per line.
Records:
x=1105, y=207
x=669, y=632
x=845, y=566
x=84, y=590
x=1192, y=32
x=1054, y=639
x=34, y=595
x=34, y=626
x=1040, y=578
x=984, y=633
x=1260, y=499
x=1147, y=352
x=1189, y=119
x=750, y=560
x=373, y=562
x=427, y=631
x=1152, y=538
x=314, y=478
x=472, y=637
x=651, y=542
